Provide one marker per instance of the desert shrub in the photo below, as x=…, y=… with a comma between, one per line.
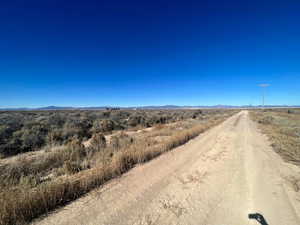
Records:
x=54, y=137
x=33, y=137
x=162, y=119
x=76, y=149
x=10, y=175
x=75, y=144
x=76, y=128
x=106, y=114
x=266, y=120
x=119, y=115
x=135, y=120
x=29, y=138
x=5, y=132
x=12, y=147
x=56, y=120
x=10, y=144
x=71, y=167
x=98, y=141
x=196, y=114
x=115, y=142
x=30, y=130
x=120, y=141
x=103, y=126
x=25, y=169
x=20, y=205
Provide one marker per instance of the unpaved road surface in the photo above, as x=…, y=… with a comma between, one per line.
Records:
x=215, y=179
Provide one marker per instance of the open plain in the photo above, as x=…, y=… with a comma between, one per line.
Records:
x=217, y=178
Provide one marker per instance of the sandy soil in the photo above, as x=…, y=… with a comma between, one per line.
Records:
x=215, y=179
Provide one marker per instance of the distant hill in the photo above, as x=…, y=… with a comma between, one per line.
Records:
x=146, y=107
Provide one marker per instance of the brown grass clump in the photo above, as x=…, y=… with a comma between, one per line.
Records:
x=72, y=167
x=20, y=204
x=98, y=141
x=120, y=141
x=159, y=126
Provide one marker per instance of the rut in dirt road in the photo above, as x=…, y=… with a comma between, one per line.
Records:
x=217, y=178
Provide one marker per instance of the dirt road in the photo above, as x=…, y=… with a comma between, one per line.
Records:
x=215, y=179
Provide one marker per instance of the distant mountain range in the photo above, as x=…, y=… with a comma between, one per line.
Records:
x=146, y=107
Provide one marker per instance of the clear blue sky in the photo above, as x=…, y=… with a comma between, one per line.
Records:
x=126, y=53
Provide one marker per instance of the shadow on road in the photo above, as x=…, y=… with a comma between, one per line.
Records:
x=258, y=217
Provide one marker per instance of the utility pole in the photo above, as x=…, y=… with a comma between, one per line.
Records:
x=263, y=86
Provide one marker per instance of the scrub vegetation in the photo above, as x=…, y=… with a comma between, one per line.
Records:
x=76, y=151
x=282, y=126
x=30, y=130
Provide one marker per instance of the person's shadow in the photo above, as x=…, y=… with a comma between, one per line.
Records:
x=258, y=217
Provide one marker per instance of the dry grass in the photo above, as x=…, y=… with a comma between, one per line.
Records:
x=83, y=170
x=282, y=126
x=159, y=126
